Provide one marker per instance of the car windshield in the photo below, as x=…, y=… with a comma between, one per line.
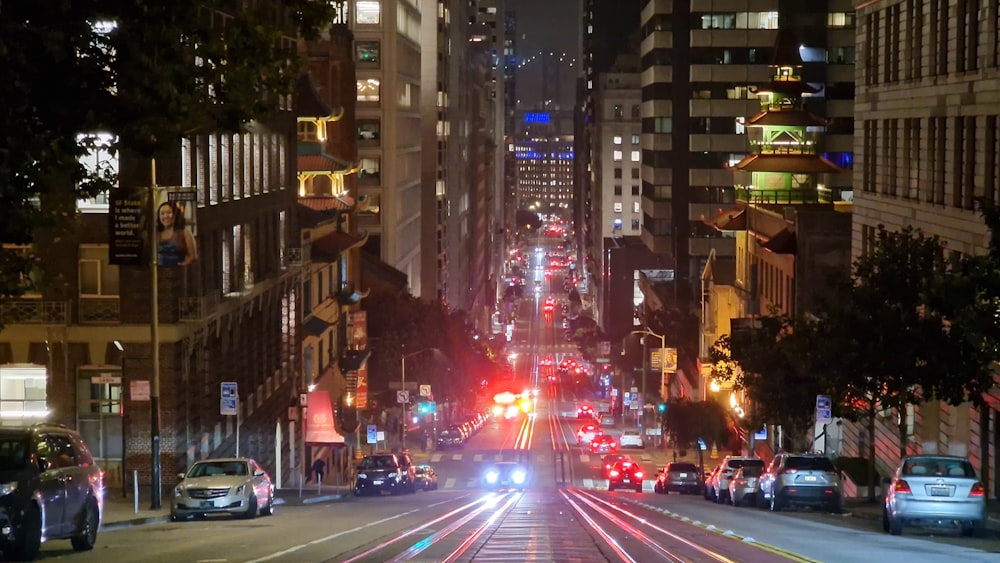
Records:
x=752, y=471
x=736, y=463
x=13, y=453
x=211, y=468
x=939, y=467
x=682, y=467
x=378, y=462
x=809, y=463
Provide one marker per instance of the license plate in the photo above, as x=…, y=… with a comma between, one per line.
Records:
x=940, y=491
x=208, y=504
x=377, y=482
x=684, y=475
x=810, y=478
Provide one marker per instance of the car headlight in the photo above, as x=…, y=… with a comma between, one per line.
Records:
x=518, y=477
x=492, y=477
x=241, y=488
x=178, y=491
x=7, y=488
x=362, y=475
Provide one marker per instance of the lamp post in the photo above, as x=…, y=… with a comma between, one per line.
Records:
x=663, y=345
x=402, y=386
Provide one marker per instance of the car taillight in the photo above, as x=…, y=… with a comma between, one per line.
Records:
x=613, y=473
x=739, y=482
x=638, y=474
x=977, y=490
x=902, y=487
x=788, y=471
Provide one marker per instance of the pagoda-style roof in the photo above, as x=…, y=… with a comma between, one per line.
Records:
x=784, y=242
x=307, y=100
x=785, y=118
x=793, y=163
x=329, y=247
x=786, y=49
x=790, y=87
x=731, y=220
x=328, y=202
x=321, y=163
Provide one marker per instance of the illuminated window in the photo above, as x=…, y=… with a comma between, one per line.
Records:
x=617, y=140
x=369, y=12
x=636, y=207
x=368, y=53
x=97, y=277
x=22, y=394
x=368, y=90
x=635, y=156
x=617, y=156
x=618, y=207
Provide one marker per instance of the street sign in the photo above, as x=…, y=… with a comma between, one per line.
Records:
x=402, y=397
x=227, y=406
x=106, y=379
x=372, y=434
x=824, y=414
x=633, y=403
x=425, y=390
x=139, y=389
x=762, y=435
x=627, y=398
x=229, y=390
x=380, y=436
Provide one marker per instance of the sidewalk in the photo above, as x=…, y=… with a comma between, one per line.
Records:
x=120, y=512
x=861, y=508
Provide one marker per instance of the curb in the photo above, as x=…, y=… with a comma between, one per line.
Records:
x=163, y=518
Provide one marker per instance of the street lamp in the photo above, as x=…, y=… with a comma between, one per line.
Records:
x=402, y=386
x=663, y=345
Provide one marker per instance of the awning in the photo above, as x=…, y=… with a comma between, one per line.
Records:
x=327, y=202
x=319, y=419
x=315, y=326
x=793, y=163
x=782, y=243
x=329, y=247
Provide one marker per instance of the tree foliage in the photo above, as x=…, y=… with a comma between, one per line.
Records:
x=146, y=73
x=685, y=422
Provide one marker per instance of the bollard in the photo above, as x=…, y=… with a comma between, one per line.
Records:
x=302, y=480
x=135, y=490
x=319, y=483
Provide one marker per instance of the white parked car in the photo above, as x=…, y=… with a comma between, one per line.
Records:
x=631, y=439
x=223, y=486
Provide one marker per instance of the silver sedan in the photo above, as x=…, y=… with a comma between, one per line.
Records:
x=935, y=491
x=234, y=486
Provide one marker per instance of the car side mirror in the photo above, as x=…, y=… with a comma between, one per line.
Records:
x=180, y=476
x=258, y=473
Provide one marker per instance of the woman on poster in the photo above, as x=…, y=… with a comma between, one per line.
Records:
x=175, y=243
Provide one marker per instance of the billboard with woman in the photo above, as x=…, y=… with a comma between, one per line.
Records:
x=175, y=225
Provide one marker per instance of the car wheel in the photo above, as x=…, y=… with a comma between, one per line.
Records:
x=28, y=538
x=976, y=529
x=895, y=526
x=251, y=511
x=719, y=499
x=89, y=523
x=885, y=520
x=735, y=501
x=268, y=509
x=177, y=518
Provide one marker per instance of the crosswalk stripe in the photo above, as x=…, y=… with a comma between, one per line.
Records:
x=588, y=483
x=456, y=457
x=450, y=483
x=584, y=458
x=435, y=458
x=498, y=457
x=477, y=457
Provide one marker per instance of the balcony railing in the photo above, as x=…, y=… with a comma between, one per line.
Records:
x=788, y=197
x=197, y=308
x=99, y=310
x=34, y=311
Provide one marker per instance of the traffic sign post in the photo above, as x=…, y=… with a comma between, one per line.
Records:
x=372, y=434
x=229, y=405
x=824, y=413
x=425, y=390
x=403, y=397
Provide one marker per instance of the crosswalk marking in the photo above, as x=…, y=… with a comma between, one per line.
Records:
x=456, y=457
x=477, y=457
x=450, y=483
x=435, y=458
x=584, y=458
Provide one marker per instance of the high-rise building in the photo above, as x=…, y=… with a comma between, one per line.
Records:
x=699, y=63
x=544, y=169
x=927, y=149
x=387, y=37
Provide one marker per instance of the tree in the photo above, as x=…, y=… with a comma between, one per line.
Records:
x=685, y=422
x=145, y=72
x=774, y=362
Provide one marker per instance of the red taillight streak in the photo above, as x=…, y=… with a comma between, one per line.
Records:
x=902, y=487
x=638, y=474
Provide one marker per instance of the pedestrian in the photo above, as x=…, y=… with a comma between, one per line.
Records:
x=319, y=469
x=423, y=440
x=675, y=456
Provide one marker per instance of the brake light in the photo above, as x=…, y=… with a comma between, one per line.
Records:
x=977, y=490
x=613, y=473
x=789, y=471
x=902, y=487
x=638, y=474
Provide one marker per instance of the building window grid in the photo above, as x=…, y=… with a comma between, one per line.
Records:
x=990, y=159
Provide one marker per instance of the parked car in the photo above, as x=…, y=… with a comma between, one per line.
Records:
x=426, y=478
x=679, y=476
x=729, y=465
x=631, y=439
x=935, y=491
x=625, y=474
x=743, y=485
x=52, y=490
x=709, y=491
x=506, y=475
x=606, y=419
x=801, y=479
x=235, y=486
x=383, y=472
x=603, y=444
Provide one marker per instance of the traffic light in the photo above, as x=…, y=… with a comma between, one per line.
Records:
x=424, y=408
x=661, y=408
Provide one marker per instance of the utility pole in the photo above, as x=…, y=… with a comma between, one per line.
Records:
x=154, y=342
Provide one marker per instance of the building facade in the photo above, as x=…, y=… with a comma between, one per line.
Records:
x=927, y=148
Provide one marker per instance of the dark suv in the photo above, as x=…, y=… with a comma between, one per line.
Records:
x=50, y=488
x=385, y=472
